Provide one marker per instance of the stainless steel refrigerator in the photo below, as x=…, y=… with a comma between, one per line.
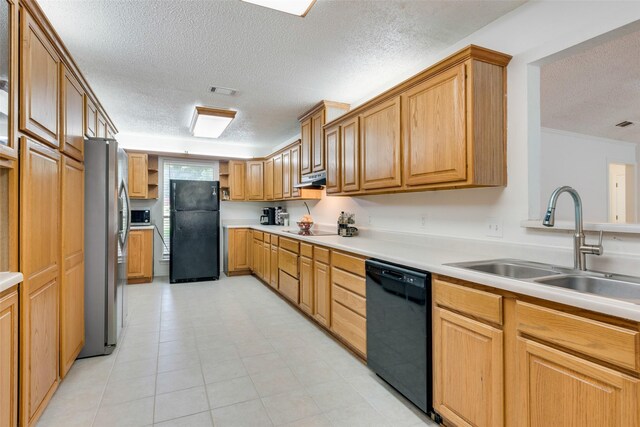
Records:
x=107, y=218
x=194, y=230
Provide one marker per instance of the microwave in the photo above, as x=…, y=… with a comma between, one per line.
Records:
x=141, y=216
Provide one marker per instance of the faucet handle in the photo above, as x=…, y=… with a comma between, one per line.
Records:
x=594, y=249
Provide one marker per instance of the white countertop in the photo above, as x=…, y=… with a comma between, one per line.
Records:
x=431, y=253
x=8, y=279
x=143, y=227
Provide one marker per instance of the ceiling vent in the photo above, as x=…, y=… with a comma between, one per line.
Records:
x=624, y=124
x=219, y=90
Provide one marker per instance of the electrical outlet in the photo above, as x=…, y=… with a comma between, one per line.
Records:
x=494, y=227
x=423, y=220
x=370, y=220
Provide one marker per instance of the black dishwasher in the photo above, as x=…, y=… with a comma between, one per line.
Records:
x=399, y=329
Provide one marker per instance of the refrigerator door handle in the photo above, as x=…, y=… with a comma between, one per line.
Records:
x=126, y=195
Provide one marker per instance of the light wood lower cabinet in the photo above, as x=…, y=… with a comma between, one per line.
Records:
x=238, y=255
x=322, y=286
x=39, y=263
x=266, y=262
x=140, y=256
x=256, y=256
x=273, y=280
x=71, y=263
x=9, y=358
x=306, y=285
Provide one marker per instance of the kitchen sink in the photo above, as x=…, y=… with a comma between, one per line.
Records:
x=617, y=287
x=514, y=269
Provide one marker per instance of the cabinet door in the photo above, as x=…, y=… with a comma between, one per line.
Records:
x=317, y=141
x=570, y=391
x=322, y=290
x=9, y=360
x=273, y=280
x=467, y=360
x=295, y=170
x=305, y=147
x=268, y=179
x=266, y=262
x=434, y=125
x=71, y=263
x=238, y=250
x=286, y=175
x=102, y=126
x=90, y=118
x=380, y=146
x=332, y=148
x=147, y=255
x=9, y=72
x=40, y=265
x=237, y=178
x=257, y=257
x=350, y=155
x=306, y=285
x=39, y=83
x=255, y=180
x=277, y=177
x=135, y=254
x=138, y=176
x=72, y=134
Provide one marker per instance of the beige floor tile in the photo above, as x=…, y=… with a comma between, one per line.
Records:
x=134, y=369
x=246, y=414
x=174, y=362
x=203, y=419
x=334, y=395
x=137, y=352
x=180, y=403
x=125, y=390
x=315, y=372
x=291, y=406
x=263, y=362
x=313, y=421
x=70, y=418
x=129, y=414
x=179, y=380
x=362, y=415
x=277, y=381
x=230, y=392
x=219, y=371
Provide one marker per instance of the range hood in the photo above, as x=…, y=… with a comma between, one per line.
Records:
x=313, y=180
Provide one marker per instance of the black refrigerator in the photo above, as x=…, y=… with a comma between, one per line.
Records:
x=195, y=230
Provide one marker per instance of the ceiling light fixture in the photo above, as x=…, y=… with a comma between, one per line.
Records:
x=210, y=122
x=294, y=7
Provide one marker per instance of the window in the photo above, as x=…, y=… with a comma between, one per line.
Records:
x=179, y=170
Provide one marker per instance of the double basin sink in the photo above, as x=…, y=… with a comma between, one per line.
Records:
x=619, y=287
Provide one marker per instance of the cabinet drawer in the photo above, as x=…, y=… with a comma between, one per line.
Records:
x=350, y=300
x=289, y=287
x=267, y=238
x=349, y=263
x=306, y=250
x=349, y=281
x=350, y=326
x=258, y=235
x=288, y=262
x=609, y=343
x=288, y=244
x=473, y=302
x=321, y=254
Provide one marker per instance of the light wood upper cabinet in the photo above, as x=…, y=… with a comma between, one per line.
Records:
x=295, y=170
x=332, y=148
x=305, y=147
x=286, y=175
x=40, y=265
x=9, y=358
x=467, y=362
x=140, y=256
x=138, y=176
x=571, y=391
x=72, y=135
x=9, y=72
x=238, y=252
x=381, y=146
x=435, y=147
x=350, y=155
x=39, y=83
x=277, y=177
x=237, y=179
x=102, y=126
x=317, y=141
x=255, y=180
x=71, y=263
x=268, y=179
x=90, y=118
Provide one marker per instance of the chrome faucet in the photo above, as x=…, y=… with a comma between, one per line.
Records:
x=580, y=248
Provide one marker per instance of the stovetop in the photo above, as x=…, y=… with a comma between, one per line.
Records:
x=313, y=233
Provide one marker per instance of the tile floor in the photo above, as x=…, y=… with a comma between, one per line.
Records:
x=224, y=353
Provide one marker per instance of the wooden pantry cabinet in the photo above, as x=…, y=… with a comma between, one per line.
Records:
x=140, y=256
x=534, y=362
x=9, y=357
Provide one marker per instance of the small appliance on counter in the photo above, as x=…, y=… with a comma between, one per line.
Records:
x=280, y=211
x=345, y=225
x=268, y=216
x=141, y=217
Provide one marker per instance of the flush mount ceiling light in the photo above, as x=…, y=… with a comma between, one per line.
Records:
x=210, y=122
x=294, y=7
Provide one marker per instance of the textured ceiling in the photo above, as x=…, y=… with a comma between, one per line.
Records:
x=589, y=92
x=150, y=62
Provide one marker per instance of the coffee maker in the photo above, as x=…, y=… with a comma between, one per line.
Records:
x=268, y=216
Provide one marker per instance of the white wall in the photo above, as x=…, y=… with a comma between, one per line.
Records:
x=581, y=161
